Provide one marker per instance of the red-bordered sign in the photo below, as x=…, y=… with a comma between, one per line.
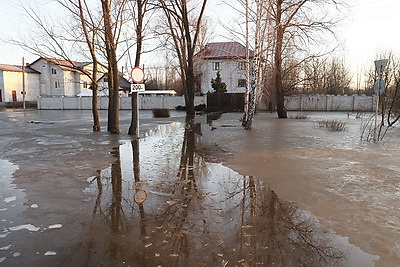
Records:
x=137, y=75
x=140, y=197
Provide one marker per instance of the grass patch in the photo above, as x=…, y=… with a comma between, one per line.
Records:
x=160, y=113
x=332, y=125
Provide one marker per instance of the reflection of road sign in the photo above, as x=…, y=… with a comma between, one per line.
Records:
x=380, y=65
x=379, y=86
x=139, y=87
x=137, y=75
x=140, y=197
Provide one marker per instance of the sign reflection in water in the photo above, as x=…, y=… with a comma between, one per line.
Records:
x=199, y=213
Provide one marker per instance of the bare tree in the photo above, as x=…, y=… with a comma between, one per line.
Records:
x=294, y=24
x=54, y=43
x=140, y=8
x=184, y=21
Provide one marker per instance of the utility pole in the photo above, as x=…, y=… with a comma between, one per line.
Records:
x=378, y=90
x=23, y=83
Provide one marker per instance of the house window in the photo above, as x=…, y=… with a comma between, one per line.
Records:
x=53, y=71
x=242, y=65
x=216, y=65
x=57, y=84
x=242, y=83
x=85, y=85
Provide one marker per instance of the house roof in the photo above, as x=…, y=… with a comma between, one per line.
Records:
x=14, y=68
x=123, y=82
x=223, y=50
x=65, y=64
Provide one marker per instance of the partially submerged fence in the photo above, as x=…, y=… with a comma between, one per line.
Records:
x=230, y=102
x=145, y=102
x=330, y=103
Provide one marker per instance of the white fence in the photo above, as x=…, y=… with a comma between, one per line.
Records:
x=292, y=103
x=330, y=103
x=145, y=102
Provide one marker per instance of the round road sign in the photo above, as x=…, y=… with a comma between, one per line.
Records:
x=137, y=75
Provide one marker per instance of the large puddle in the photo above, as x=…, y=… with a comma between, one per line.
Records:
x=162, y=204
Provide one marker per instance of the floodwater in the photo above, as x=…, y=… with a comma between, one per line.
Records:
x=288, y=194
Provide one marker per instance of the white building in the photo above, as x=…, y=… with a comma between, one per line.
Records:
x=45, y=77
x=61, y=77
x=11, y=84
x=227, y=58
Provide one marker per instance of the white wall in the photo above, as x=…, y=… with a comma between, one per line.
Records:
x=2, y=100
x=12, y=81
x=146, y=102
x=230, y=74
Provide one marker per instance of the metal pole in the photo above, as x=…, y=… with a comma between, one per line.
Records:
x=377, y=101
x=23, y=83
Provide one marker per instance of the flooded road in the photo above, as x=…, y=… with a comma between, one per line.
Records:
x=71, y=197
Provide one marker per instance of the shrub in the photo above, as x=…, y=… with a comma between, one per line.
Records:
x=181, y=108
x=160, y=113
x=200, y=107
x=333, y=125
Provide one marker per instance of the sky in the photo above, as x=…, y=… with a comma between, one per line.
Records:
x=369, y=27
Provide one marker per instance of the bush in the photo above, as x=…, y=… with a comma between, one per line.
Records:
x=333, y=125
x=200, y=107
x=181, y=108
x=160, y=113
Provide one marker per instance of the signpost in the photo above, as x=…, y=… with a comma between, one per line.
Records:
x=379, y=87
x=137, y=76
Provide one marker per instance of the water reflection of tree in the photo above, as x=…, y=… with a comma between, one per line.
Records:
x=244, y=223
x=276, y=232
x=114, y=210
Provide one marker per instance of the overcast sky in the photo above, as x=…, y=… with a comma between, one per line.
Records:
x=371, y=26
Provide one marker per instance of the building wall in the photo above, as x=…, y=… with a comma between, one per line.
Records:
x=230, y=74
x=48, y=79
x=12, y=81
x=2, y=98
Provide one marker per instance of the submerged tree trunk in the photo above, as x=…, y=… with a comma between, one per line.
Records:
x=113, y=84
x=280, y=100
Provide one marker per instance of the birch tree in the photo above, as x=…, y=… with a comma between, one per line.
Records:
x=255, y=76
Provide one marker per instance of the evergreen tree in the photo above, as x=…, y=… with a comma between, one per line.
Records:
x=218, y=85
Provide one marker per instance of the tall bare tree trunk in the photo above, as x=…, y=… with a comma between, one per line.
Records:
x=91, y=45
x=113, y=83
x=280, y=99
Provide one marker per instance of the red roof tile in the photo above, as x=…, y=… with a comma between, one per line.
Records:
x=13, y=68
x=223, y=50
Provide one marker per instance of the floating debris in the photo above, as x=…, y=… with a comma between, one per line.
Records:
x=6, y=247
x=34, y=206
x=55, y=226
x=28, y=227
x=10, y=199
x=50, y=253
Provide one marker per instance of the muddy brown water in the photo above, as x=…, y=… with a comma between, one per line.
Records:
x=287, y=194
